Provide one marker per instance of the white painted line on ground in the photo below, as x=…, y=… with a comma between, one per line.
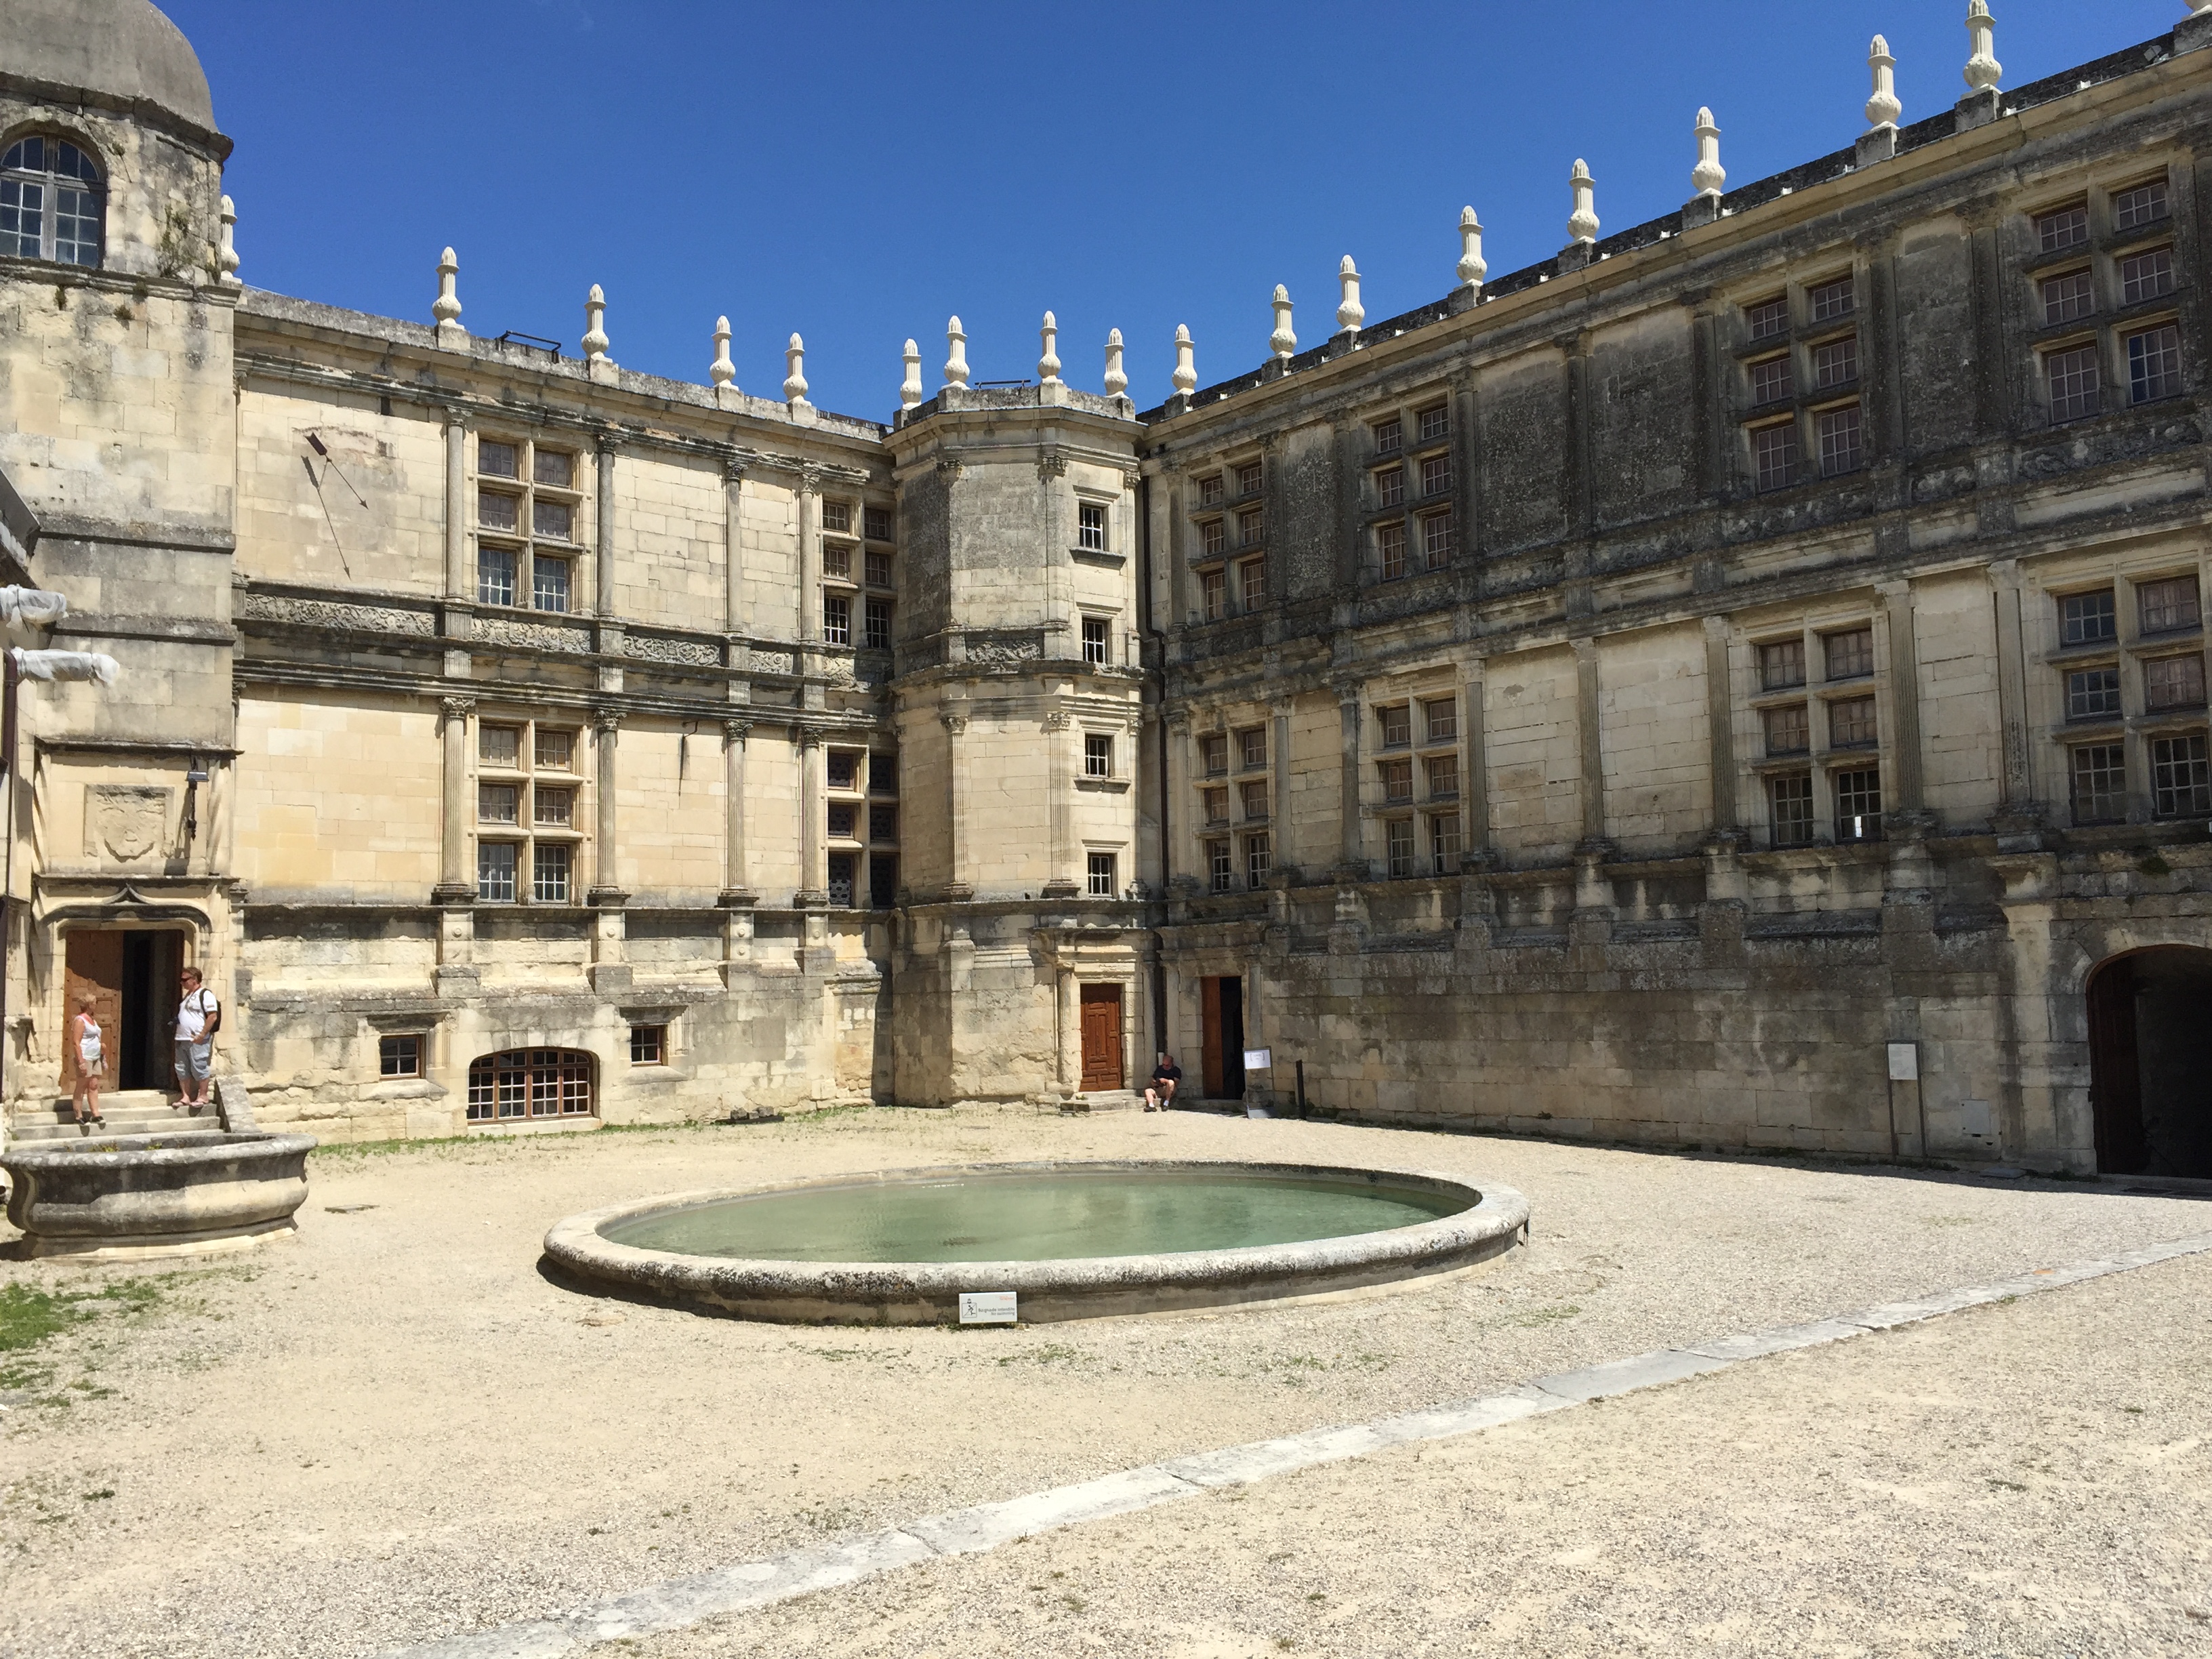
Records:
x=749, y=1584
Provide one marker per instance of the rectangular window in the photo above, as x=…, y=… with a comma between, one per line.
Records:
x=1852, y=724
x=883, y=822
x=553, y=466
x=2088, y=618
x=1839, y=440
x=844, y=870
x=1249, y=527
x=844, y=821
x=837, y=563
x=2093, y=694
x=549, y=872
x=877, y=520
x=2063, y=228
x=2146, y=275
x=1439, y=539
x=399, y=1056
x=495, y=459
x=1390, y=436
x=1836, y=363
x=2067, y=299
x=1770, y=381
x=1213, y=754
x=1252, y=748
x=879, y=569
x=2145, y=204
x=1097, y=755
x=494, y=575
x=1215, y=804
x=1390, y=548
x=1397, y=725
x=1769, y=317
x=1213, y=537
x=1443, y=843
x=1789, y=730
x=1256, y=852
x=837, y=619
x=1099, y=875
x=1254, y=795
x=1399, y=840
x=1248, y=478
x=1391, y=487
x=1832, y=299
x=1443, y=776
x=1397, y=777
x=1789, y=801
x=1436, y=475
x=2164, y=606
x=1858, y=805
x=1091, y=526
x=1094, y=640
x=1774, y=455
x=1443, y=718
x=1781, y=665
x=1213, y=593
x=1255, y=584
x=498, y=803
x=2180, y=780
x=1209, y=490
x=1436, y=423
x=883, y=774
x=1220, y=869
x=882, y=879
x=648, y=1045
x=876, y=615
x=551, y=520
x=843, y=769
x=555, y=808
x=555, y=750
x=2073, y=383
x=2154, y=364
x=837, y=518
x=499, y=746
x=495, y=872
x=499, y=512
x=549, y=583
x=2097, y=777
x=1850, y=653
x=2173, y=683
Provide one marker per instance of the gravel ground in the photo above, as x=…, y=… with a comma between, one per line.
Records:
x=395, y=1428
x=2027, y=1481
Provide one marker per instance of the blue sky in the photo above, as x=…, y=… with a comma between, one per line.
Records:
x=858, y=172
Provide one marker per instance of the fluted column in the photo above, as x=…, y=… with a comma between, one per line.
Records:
x=456, y=882
x=1059, y=882
x=733, y=594
x=957, y=887
x=606, y=885
x=602, y=597
x=736, y=864
x=460, y=581
x=813, y=871
x=810, y=556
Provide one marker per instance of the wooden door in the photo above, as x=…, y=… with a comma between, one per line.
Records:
x=93, y=968
x=1209, y=1037
x=1101, y=1037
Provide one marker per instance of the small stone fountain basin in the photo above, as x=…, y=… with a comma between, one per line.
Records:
x=126, y=1197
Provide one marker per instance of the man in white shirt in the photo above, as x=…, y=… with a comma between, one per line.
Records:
x=198, y=1017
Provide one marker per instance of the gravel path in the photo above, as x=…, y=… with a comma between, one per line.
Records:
x=395, y=1428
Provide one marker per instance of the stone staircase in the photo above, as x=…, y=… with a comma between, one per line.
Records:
x=1101, y=1100
x=128, y=1112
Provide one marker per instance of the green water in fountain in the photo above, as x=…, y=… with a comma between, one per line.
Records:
x=1035, y=1216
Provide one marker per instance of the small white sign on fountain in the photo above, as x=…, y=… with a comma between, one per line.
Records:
x=988, y=1307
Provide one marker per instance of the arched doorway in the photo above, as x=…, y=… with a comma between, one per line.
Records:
x=2150, y=1061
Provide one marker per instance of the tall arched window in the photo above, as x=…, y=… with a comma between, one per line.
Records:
x=51, y=202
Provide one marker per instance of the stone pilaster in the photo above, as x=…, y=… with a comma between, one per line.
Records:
x=1060, y=880
x=808, y=505
x=957, y=887
x=1352, y=847
x=734, y=559
x=736, y=877
x=460, y=579
x=606, y=446
x=1720, y=725
x=1588, y=725
x=813, y=867
x=606, y=884
x=456, y=881
x=1901, y=790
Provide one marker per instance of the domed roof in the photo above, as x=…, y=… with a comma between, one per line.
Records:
x=122, y=51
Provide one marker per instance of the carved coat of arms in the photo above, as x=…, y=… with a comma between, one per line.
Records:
x=124, y=822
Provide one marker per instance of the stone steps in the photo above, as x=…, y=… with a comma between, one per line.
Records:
x=128, y=1112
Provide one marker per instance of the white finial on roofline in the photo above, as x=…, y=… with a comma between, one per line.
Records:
x=1283, y=342
x=1117, y=379
x=595, y=326
x=1982, y=69
x=1709, y=175
x=1583, y=223
x=1350, y=313
x=1048, y=360
x=1883, y=109
x=910, y=387
x=955, y=356
x=1186, y=369
x=721, y=371
x=1472, y=267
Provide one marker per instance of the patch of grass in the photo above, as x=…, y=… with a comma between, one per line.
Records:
x=29, y=1315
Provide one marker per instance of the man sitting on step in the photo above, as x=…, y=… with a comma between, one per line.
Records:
x=1167, y=1077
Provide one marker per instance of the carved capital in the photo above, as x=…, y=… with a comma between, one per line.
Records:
x=805, y=738
x=736, y=731
x=955, y=724
x=952, y=470
x=607, y=443
x=457, y=418
x=1051, y=464
x=733, y=469
x=1132, y=478
x=457, y=708
x=809, y=480
x=607, y=720
x=1058, y=720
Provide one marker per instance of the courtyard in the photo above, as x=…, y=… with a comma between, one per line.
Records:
x=397, y=1428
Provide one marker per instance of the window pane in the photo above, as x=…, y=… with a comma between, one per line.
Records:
x=496, y=871
x=2065, y=298
x=1097, y=755
x=498, y=512
x=1443, y=717
x=553, y=466
x=2093, y=694
x=1400, y=844
x=1436, y=423
x=1390, y=550
x=2154, y=364
x=1388, y=437
x=882, y=879
x=498, y=803
x=2174, y=683
x=1248, y=478
x=1256, y=860
x=883, y=774
x=1254, y=797
x=548, y=584
x=549, y=883
x=1791, y=800
x=844, y=821
x=1443, y=843
x=1209, y=490
x=2167, y=605
x=1832, y=299
x=555, y=807
x=2145, y=276
x=1397, y=726
x=1858, y=805
x=1770, y=381
x=2097, y=783
x=1255, y=584
x=1436, y=474
x=1789, y=731
x=1249, y=527
x=837, y=619
x=1252, y=747
x=1091, y=526
x=1212, y=536
x=1397, y=779
x=1837, y=362
x=1781, y=665
x=1774, y=453
x=877, y=523
x=883, y=822
x=1099, y=871
x=495, y=459
x=878, y=615
x=1852, y=724
x=837, y=562
x=556, y=750
x=2063, y=228
x=1390, y=486
x=1769, y=317
x=1214, y=751
x=552, y=519
x=837, y=518
x=2073, y=383
x=2088, y=618
x=2180, y=781
x=647, y=1043
x=1443, y=777
x=879, y=569
x=499, y=746
x=2144, y=205
x=1839, y=440
x=494, y=576
x=1219, y=869
x=1850, y=653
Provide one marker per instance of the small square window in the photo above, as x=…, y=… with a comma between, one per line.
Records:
x=1390, y=548
x=2097, y=783
x=1436, y=475
x=2146, y=275
x=1443, y=843
x=2180, y=779
x=1849, y=653
x=2063, y=228
x=548, y=584
x=1397, y=777
x=2067, y=299
x=1397, y=725
x=1436, y=423
x=1770, y=381
x=1252, y=748
x=556, y=467
x=549, y=872
x=883, y=822
x=1098, y=872
x=1090, y=527
x=1399, y=844
x=495, y=872
x=837, y=563
x=399, y=1056
x=1852, y=724
x=1391, y=487
x=1781, y=665
x=1220, y=869
x=2088, y=618
x=1213, y=593
x=1094, y=641
x=1774, y=455
x=837, y=518
x=495, y=459
x=1789, y=730
x=555, y=750
x=2172, y=683
x=497, y=802
x=875, y=617
x=843, y=769
x=1254, y=797
x=498, y=513
x=1254, y=587
x=1248, y=478
x=499, y=746
x=1839, y=440
x=648, y=1045
x=1209, y=490
x=1789, y=801
x=878, y=523
x=1836, y=363
x=2093, y=694
x=1443, y=718
x=1390, y=437
x=879, y=569
x=554, y=808
x=1442, y=776
x=551, y=520
x=2144, y=205
x=1213, y=754
x=2154, y=364
x=2073, y=382
x=883, y=772
x=1213, y=537
x=1832, y=299
x=2164, y=606
x=1858, y=805
x=1768, y=319
x=1256, y=860
x=1097, y=755
x=844, y=821
x=837, y=619
x=494, y=575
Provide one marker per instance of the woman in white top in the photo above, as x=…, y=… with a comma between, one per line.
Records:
x=84, y=1032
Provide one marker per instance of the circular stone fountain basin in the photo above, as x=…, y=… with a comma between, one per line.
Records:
x=1071, y=1240
x=127, y=1197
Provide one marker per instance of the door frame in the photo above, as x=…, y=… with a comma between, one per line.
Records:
x=1098, y=994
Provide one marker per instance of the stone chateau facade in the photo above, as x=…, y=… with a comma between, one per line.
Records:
x=1739, y=682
